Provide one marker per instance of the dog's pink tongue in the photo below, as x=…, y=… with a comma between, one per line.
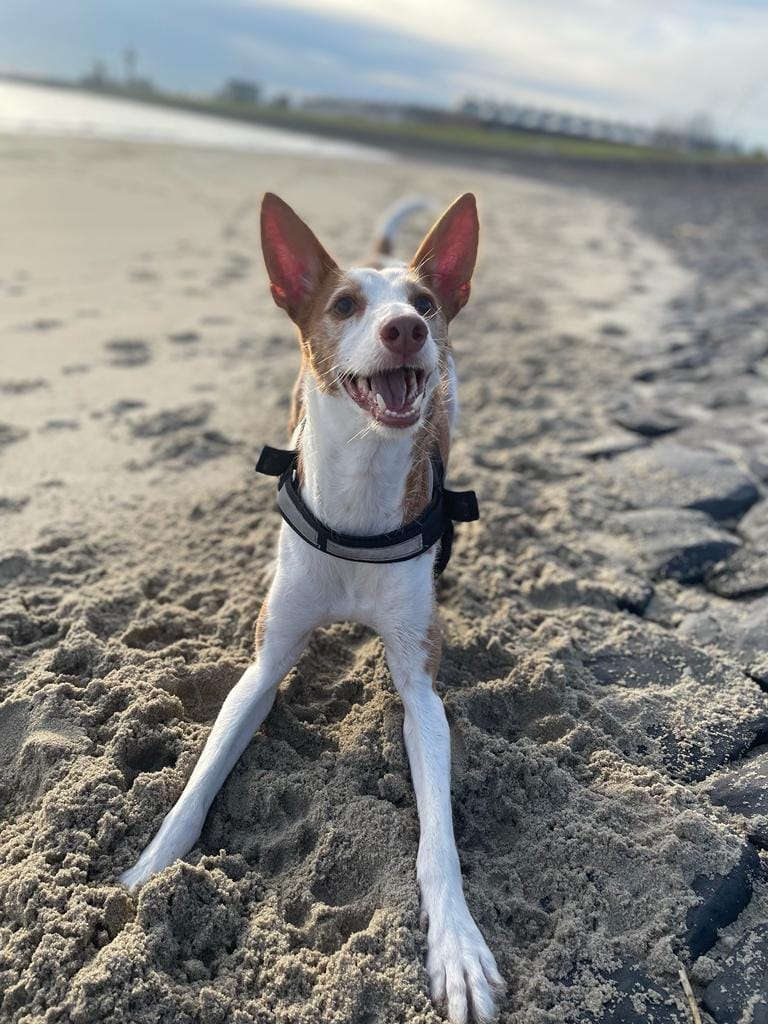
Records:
x=392, y=388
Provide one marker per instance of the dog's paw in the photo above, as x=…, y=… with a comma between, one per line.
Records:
x=176, y=836
x=463, y=976
x=155, y=857
x=136, y=876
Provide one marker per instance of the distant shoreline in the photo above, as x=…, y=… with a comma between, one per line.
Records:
x=44, y=109
x=452, y=141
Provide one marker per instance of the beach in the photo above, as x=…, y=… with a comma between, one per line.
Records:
x=605, y=670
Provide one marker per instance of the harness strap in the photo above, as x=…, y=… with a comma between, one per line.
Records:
x=409, y=541
x=275, y=461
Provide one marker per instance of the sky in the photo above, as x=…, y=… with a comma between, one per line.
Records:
x=641, y=61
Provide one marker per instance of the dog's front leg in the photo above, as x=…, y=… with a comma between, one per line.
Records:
x=462, y=971
x=281, y=635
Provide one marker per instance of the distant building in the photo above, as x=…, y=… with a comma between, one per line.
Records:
x=370, y=110
x=98, y=76
x=140, y=86
x=697, y=133
x=240, y=90
x=280, y=101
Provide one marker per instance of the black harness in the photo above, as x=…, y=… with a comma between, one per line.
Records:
x=435, y=522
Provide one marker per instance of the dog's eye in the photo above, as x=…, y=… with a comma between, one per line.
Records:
x=344, y=307
x=423, y=305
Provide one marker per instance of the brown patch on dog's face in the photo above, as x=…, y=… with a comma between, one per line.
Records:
x=337, y=302
x=419, y=290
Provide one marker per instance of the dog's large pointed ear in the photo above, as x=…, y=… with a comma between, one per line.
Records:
x=446, y=257
x=297, y=264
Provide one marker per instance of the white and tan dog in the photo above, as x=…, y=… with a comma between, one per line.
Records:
x=374, y=405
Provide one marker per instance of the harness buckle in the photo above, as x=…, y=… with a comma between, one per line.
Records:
x=461, y=506
x=275, y=461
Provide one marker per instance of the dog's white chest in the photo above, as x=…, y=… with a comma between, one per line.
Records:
x=377, y=596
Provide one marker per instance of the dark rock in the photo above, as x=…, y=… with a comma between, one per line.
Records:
x=613, y=330
x=754, y=526
x=736, y=432
x=669, y=678
x=608, y=445
x=688, y=358
x=740, y=991
x=680, y=544
x=744, y=790
x=723, y=897
x=648, y=660
x=672, y=475
x=640, y=1000
x=648, y=420
x=649, y=373
x=14, y=565
x=694, y=757
x=739, y=629
x=742, y=575
x=728, y=431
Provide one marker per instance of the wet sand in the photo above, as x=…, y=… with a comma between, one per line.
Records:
x=605, y=663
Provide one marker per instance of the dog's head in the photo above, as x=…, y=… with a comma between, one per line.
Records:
x=375, y=339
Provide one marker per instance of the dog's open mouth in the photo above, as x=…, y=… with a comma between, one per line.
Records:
x=392, y=397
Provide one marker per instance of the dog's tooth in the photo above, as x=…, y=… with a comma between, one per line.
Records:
x=416, y=403
x=380, y=402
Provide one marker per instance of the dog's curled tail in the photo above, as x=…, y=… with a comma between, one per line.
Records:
x=391, y=221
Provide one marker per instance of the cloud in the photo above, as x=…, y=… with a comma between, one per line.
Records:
x=606, y=57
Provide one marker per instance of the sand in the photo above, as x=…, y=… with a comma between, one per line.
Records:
x=596, y=686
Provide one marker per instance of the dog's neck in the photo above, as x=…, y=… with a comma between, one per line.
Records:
x=353, y=480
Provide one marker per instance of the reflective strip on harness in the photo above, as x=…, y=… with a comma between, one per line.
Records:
x=291, y=514
x=391, y=553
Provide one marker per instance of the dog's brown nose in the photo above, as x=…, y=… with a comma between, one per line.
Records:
x=404, y=335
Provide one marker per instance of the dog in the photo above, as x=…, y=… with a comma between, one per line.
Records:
x=366, y=522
